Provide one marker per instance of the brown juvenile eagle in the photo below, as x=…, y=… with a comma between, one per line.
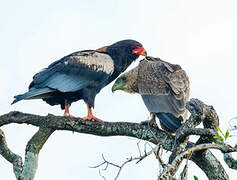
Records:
x=81, y=75
x=164, y=88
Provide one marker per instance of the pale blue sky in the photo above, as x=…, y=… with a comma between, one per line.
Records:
x=198, y=35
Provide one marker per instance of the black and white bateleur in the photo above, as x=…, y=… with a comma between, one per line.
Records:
x=82, y=74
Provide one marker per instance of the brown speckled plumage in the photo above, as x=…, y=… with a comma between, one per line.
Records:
x=160, y=78
x=163, y=86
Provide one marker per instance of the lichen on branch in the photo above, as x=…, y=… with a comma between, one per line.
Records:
x=48, y=124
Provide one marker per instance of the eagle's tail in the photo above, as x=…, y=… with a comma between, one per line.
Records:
x=169, y=122
x=33, y=94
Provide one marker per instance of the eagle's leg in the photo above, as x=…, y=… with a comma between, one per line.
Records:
x=152, y=121
x=90, y=115
x=66, y=112
x=153, y=118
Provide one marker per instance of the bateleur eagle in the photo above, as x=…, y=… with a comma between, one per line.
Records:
x=164, y=88
x=81, y=75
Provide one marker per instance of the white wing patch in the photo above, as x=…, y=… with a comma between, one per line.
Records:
x=95, y=61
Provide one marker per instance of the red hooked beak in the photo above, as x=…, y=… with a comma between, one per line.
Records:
x=139, y=51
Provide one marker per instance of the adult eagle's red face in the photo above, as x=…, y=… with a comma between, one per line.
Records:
x=139, y=50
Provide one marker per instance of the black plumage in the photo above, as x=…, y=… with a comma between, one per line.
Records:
x=81, y=75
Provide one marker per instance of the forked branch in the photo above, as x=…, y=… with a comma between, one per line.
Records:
x=47, y=124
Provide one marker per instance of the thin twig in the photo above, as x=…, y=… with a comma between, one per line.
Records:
x=101, y=175
x=157, y=153
x=129, y=160
x=184, y=173
x=120, y=167
x=139, y=147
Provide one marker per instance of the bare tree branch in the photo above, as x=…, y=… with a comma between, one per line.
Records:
x=211, y=121
x=90, y=127
x=184, y=173
x=33, y=148
x=206, y=161
x=157, y=153
x=140, y=158
x=198, y=114
x=222, y=147
x=172, y=168
x=195, y=131
x=27, y=170
x=13, y=158
x=230, y=161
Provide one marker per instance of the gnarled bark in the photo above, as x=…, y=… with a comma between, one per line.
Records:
x=47, y=124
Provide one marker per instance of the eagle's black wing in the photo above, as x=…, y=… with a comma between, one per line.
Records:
x=71, y=73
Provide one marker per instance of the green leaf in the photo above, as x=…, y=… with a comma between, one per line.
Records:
x=195, y=177
x=227, y=133
x=220, y=131
x=218, y=137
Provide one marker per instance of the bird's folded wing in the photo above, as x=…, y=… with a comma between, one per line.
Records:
x=75, y=71
x=176, y=78
x=164, y=87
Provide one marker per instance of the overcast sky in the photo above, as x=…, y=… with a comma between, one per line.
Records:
x=198, y=35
